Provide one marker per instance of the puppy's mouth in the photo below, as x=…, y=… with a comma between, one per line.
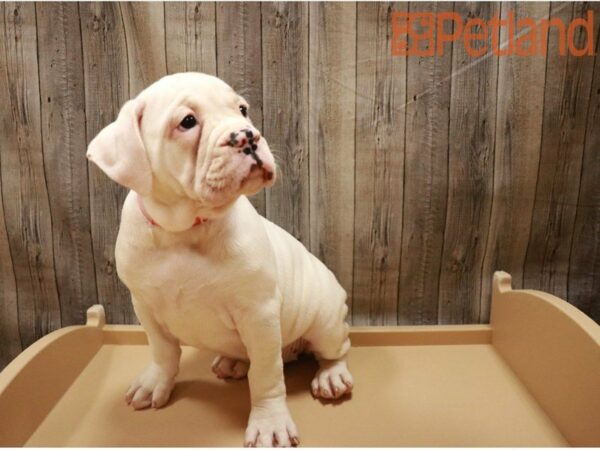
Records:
x=258, y=172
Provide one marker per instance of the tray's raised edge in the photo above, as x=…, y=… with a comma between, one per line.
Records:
x=12, y=370
x=554, y=349
x=502, y=285
x=124, y=335
x=359, y=336
x=35, y=380
x=421, y=335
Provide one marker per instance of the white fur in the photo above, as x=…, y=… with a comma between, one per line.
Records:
x=238, y=284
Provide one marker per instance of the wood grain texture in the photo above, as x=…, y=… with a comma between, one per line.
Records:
x=10, y=338
x=239, y=61
x=380, y=112
x=106, y=89
x=24, y=193
x=413, y=179
x=426, y=166
x=64, y=137
x=332, y=87
x=516, y=158
x=566, y=98
x=144, y=25
x=583, y=288
x=470, y=174
x=191, y=37
x=285, y=110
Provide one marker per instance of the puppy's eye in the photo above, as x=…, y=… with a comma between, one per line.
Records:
x=188, y=122
x=244, y=110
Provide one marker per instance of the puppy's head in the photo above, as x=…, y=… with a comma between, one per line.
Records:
x=187, y=135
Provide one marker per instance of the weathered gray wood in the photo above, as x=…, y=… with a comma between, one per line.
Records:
x=332, y=87
x=517, y=152
x=144, y=24
x=191, y=37
x=426, y=168
x=239, y=60
x=106, y=89
x=584, y=269
x=380, y=112
x=24, y=194
x=566, y=98
x=470, y=174
x=285, y=109
x=412, y=179
x=10, y=338
x=64, y=138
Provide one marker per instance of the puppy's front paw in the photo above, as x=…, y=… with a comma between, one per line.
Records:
x=333, y=379
x=152, y=388
x=225, y=367
x=271, y=425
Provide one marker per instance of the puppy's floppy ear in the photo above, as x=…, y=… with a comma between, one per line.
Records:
x=119, y=150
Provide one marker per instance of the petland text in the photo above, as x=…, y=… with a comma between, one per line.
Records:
x=426, y=33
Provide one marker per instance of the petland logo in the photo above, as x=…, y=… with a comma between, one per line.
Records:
x=425, y=34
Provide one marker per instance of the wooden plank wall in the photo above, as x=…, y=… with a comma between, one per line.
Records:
x=414, y=179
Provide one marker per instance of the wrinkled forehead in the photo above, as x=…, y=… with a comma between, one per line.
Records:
x=195, y=90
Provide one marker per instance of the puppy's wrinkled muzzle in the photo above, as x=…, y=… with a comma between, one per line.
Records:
x=247, y=142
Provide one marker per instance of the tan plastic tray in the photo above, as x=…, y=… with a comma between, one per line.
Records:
x=531, y=378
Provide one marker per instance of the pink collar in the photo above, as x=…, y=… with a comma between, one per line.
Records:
x=152, y=222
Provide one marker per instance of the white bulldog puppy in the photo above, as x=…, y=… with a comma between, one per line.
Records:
x=203, y=267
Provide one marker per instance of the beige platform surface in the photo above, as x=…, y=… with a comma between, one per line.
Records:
x=451, y=395
x=530, y=378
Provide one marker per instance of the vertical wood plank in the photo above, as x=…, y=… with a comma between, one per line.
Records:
x=516, y=158
x=332, y=87
x=566, y=99
x=471, y=174
x=106, y=89
x=24, y=193
x=239, y=61
x=144, y=24
x=63, y=133
x=380, y=114
x=10, y=338
x=191, y=37
x=426, y=172
x=584, y=268
x=285, y=108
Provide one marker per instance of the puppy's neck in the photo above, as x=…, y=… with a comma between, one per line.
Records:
x=176, y=216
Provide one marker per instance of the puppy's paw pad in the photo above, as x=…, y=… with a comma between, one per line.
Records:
x=151, y=388
x=333, y=380
x=225, y=367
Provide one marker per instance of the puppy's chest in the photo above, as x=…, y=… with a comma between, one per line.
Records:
x=190, y=292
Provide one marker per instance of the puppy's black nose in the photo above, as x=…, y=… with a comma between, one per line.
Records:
x=245, y=139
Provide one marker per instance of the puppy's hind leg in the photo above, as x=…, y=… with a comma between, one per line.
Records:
x=329, y=341
x=225, y=367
